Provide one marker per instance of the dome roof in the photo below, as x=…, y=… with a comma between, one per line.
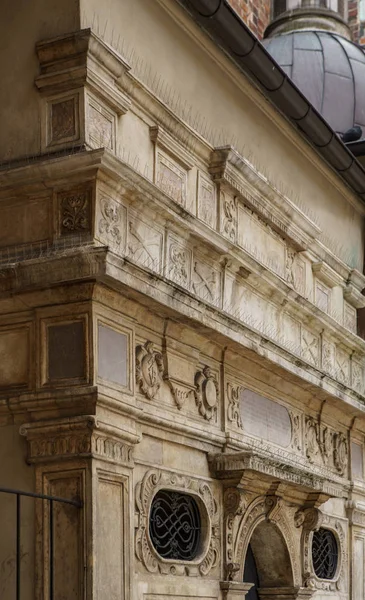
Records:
x=328, y=69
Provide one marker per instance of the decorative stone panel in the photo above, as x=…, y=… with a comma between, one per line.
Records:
x=208, y=559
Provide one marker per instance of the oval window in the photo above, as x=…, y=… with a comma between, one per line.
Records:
x=175, y=525
x=324, y=553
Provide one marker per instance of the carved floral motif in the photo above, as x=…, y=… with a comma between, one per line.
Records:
x=206, y=393
x=152, y=482
x=74, y=211
x=149, y=370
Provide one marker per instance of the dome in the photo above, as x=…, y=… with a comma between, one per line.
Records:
x=328, y=69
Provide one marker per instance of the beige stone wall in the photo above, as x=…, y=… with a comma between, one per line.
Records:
x=202, y=87
x=32, y=22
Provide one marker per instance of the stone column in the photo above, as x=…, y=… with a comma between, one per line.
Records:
x=82, y=459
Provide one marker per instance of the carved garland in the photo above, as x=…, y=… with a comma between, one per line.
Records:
x=152, y=482
x=311, y=520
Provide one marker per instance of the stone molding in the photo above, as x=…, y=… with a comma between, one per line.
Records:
x=152, y=482
x=78, y=437
x=342, y=336
x=284, y=467
x=81, y=98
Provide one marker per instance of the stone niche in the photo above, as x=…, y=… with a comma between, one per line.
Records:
x=265, y=419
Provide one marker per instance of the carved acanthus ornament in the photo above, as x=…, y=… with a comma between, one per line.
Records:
x=206, y=393
x=149, y=370
x=152, y=482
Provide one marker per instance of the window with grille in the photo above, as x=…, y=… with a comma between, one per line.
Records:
x=175, y=525
x=324, y=553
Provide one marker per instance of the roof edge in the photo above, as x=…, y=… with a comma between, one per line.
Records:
x=227, y=29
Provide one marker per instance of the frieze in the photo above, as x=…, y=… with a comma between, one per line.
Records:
x=82, y=438
x=152, y=482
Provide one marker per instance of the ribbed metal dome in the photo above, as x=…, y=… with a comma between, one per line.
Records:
x=329, y=70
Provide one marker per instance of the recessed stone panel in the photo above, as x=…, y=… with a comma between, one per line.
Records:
x=264, y=418
x=14, y=357
x=357, y=466
x=66, y=351
x=113, y=364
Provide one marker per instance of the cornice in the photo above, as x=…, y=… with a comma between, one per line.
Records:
x=279, y=468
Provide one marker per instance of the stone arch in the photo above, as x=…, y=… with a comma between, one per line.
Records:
x=266, y=518
x=271, y=556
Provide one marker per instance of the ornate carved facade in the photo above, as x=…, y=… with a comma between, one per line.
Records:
x=181, y=276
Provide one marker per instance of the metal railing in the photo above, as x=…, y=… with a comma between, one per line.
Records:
x=51, y=499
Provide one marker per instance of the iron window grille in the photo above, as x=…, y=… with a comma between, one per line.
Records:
x=324, y=554
x=175, y=525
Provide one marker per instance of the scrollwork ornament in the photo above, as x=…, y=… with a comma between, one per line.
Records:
x=154, y=481
x=206, y=393
x=149, y=370
x=233, y=410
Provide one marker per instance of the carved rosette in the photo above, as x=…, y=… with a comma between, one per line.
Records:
x=206, y=393
x=312, y=519
x=149, y=370
x=154, y=481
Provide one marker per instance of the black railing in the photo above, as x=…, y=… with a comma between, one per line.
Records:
x=51, y=500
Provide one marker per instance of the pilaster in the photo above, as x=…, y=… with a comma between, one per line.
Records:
x=90, y=461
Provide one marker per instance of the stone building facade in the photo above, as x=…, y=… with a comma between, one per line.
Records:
x=181, y=272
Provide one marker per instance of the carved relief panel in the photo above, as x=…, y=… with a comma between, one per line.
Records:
x=326, y=446
x=202, y=492
x=207, y=200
